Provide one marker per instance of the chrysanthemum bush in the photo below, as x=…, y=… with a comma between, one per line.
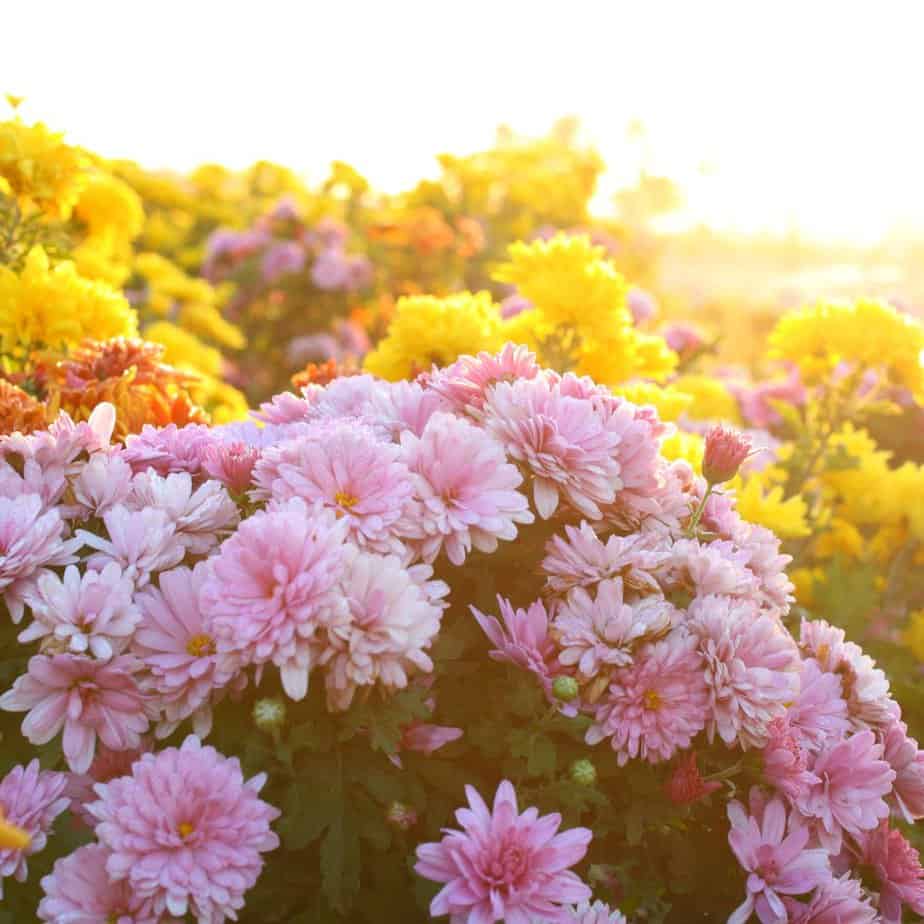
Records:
x=256, y=671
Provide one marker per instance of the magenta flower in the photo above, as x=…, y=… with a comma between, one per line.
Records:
x=186, y=831
x=725, y=450
x=907, y=760
x=86, y=698
x=31, y=799
x=232, y=464
x=752, y=667
x=777, y=863
x=79, y=890
x=90, y=613
x=819, y=714
x=849, y=795
x=785, y=761
x=269, y=584
x=177, y=647
x=686, y=785
x=896, y=867
x=503, y=865
x=465, y=383
x=837, y=901
x=168, y=449
x=465, y=490
x=426, y=738
x=658, y=705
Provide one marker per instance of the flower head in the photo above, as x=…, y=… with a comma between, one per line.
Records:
x=896, y=869
x=725, y=450
x=837, y=901
x=186, y=831
x=232, y=464
x=685, y=783
x=504, y=865
x=907, y=760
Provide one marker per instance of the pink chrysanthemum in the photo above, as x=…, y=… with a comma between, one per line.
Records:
x=200, y=516
x=725, y=450
x=718, y=568
x=269, y=585
x=382, y=634
x=348, y=470
x=505, y=866
x=752, y=667
x=522, y=638
x=896, y=868
x=776, y=861
x=569, y=444
x=78, y=890
x=283, y=408
x=466, y=382
x=686, y=784
x=168, y=449
x=107, y=765
x=819, y=713
x=465, y=490
x=86, y=698
x=907, y=760
x=30, y=540
x=658, y=705
x=348, y=396
x=597, y=635
x=837, y=901
x=90, y=613
x=31, y=799
x=177, y=647
x=581, y=558
x=186, y=831
x=140, y=542
x=407, y=406
x=232, y=464
x=785, y=761
x=774, y=589
x=102, y=483
x=849, y=795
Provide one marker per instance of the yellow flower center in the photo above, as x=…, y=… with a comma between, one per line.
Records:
x=200, y=645
x=652, y=700
x=822, y=654
x=342, y=499
x=185, y=829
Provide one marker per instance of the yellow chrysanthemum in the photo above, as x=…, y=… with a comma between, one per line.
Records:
x=109, y=206
x=710, y=398
x=56, y=307
x=427, y=330
x=841, y=538
x=104, y=259
x=669, y=401
x=763, y=503
x=39, y=168
x=914, y=634
x=224, y=403
x=805, y=581
x=867, y=334
x=183, y=349
x=683, y=445
x=205, y=320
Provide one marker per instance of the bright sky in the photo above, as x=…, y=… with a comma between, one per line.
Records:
x=808, y=114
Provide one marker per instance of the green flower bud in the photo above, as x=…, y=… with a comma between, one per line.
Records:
x=269, y=714
x=565, y=689
x=583, y=772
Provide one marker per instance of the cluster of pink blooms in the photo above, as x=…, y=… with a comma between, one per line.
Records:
x=159, y=577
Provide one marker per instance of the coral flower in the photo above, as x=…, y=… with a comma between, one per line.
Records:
x=686, y=785
x=186, y=831
x=725, y=450
x=505, y=866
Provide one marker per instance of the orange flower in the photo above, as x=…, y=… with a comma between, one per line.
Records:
x=324, y=373
x=19, y=410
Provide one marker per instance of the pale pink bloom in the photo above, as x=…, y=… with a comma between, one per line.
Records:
x=405, y=405
x=777, y=862
x=102, y=483
x=642, y=304
x=904, y=757
x=91, y=435
x=819, y=713
x=31, y=799
x=200, y=516
x=140, y=542
x=682, y=338
x=896, y=868
x=725, y=450
x=382, y=634
x=30, y=540
x=177, y=647
x=106, y=766
x=503, y=865
x=186, y=831
x=513, y=305
x=283, y=408
x=522, y=639
x=786, y=761
x=849, y=795
x=79, y=891
x=347, y=396
x=168, y=449
x=90, y=613
x=774, y=589
x=596, y=913
x=281, y=259
x=466, y=382
x=232, y=464
x=686, y=785
x=599, y=634
x=718, y=568
x=465, y=490
x=85, y=698
x=658, y=705
x=837, y=901
x=269, y=585
x=581, y=558
x=569, y=444
x=752, y=667
x=347, y=469
x=755, y=401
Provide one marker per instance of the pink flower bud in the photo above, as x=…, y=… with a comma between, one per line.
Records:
x=232, y=465
x=686, y=785
x=726, y=449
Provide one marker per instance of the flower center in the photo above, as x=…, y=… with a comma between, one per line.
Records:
x=767, y=865
x=651, y=700
x=508, y=864
x=200, y=645
x=343, y=499
x=185, y=829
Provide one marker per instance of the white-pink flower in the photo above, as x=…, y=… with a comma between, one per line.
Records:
x=819, y=713
x=102, y=483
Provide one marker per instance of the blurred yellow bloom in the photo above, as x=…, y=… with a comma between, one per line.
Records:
x=183, y=349
x=57, y=307
x=805, y=581
x=914, y=634
x=711, y=399
x=109, y=206
x=687, y=446
x=841, y=538
x=669, y=401
x=758, y=502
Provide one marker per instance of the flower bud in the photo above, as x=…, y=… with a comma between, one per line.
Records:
x=269, y=714
x=401, y=816
x=685, y=784
x=583, y=772
x=726, y=449
x=565, y=688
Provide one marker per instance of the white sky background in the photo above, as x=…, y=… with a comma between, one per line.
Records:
x=809, y=114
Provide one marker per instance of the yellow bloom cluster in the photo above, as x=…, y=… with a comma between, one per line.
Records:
x=54, y=307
